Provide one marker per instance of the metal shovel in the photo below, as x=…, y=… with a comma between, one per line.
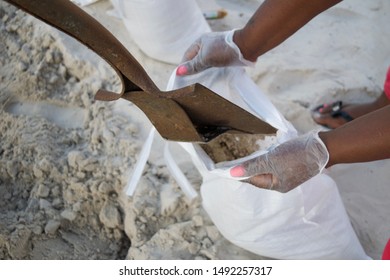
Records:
x=190, y=114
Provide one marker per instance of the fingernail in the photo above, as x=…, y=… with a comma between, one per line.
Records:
x=237, y=171
x=181, y=70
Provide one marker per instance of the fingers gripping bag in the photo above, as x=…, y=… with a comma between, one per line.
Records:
x=309, y=222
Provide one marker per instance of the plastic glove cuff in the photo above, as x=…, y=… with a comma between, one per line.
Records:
x=230, y=42
x=325, y=160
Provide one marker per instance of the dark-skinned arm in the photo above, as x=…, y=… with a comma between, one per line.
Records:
x=364, y=139
x=273, y=22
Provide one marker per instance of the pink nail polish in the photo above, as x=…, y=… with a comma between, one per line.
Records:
x=181, y=70
x=237, y=171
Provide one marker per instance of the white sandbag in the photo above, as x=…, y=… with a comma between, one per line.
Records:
x=309, y=222
x=162, y=29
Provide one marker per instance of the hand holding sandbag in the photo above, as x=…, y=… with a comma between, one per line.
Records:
x=286, y=166
x=215, y=49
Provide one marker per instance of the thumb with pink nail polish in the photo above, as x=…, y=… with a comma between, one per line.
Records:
x=237, y=171
x=181, y=70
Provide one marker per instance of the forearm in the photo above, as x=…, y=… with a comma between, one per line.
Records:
x=275, y=21
x=364, y=139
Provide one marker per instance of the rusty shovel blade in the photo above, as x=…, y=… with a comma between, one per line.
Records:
x=190, y=114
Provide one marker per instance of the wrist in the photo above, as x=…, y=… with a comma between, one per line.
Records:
x=240, y=41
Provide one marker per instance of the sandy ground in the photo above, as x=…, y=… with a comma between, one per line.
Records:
x=65, y=159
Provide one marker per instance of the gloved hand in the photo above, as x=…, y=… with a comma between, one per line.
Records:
x=286, y=166
x=215, y=49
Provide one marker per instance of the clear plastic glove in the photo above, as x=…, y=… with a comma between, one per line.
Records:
x=215, y=49
x=286, y=166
